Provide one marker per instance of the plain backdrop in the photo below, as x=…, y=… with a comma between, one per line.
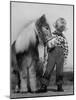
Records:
x=5, y=50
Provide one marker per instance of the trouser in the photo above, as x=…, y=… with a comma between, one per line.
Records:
x=55, y=58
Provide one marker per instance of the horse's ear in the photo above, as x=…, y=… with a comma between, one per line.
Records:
x=43, y=18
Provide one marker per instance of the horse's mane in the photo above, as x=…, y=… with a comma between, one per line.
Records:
x=25, y=26
x=28, y=23
x=39, y=23
x=42, y=22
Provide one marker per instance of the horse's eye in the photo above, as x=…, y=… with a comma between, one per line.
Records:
x=47, y=28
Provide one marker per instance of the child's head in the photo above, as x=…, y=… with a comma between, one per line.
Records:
x=60, y=24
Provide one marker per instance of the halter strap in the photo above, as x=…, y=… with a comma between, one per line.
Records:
x=49, y=38
x=39, y=33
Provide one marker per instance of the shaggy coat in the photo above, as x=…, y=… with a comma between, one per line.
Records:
x=27, y=56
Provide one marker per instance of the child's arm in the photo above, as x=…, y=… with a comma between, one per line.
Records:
x=51, y=43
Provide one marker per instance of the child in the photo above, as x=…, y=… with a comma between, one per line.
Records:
x=57, y=49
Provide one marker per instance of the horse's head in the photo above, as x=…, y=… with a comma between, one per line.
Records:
x=43, y=28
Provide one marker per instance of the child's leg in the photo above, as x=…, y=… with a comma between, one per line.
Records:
x=59, y=73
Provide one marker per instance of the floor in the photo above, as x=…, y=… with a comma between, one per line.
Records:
x=68, y=90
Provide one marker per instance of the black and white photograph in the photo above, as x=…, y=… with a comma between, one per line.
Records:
x=41, y=49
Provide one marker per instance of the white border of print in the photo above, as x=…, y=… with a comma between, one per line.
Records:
x=5, y=49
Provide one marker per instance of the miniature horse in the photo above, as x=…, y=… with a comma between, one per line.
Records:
x=26, y=56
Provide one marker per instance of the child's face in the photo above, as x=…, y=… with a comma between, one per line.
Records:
x=60, y=28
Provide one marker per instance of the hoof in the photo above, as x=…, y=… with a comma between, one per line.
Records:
x=23, y=91
x=42, y=90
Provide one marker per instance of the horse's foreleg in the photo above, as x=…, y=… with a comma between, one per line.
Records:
x=32, y=77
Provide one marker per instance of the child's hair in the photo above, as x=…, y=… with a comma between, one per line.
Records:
x=60, y=23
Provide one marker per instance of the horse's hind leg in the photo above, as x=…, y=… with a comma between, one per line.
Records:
x=24, y=74
x=23, y=85
x=17, y=88
x=23, y=77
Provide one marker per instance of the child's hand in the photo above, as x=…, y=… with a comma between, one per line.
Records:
x=51, y=43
